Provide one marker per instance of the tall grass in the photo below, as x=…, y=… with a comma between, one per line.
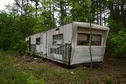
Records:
x=9, y=74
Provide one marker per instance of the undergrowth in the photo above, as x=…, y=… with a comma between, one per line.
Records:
x=27, y=70
x=9, y=74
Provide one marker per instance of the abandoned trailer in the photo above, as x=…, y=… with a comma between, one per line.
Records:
x=69, y=44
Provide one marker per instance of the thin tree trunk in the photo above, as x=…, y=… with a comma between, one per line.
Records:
x=50, y=6
x=90, y=41
x=90, y=50
x=118, y=5
x=100, y=13
x=122, y=13
x=62, y=12
x=36, y=7
x=21, y=15
x=97, y=13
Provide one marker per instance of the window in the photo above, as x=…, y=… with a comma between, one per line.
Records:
x=57, y=39
x=96, y=39
x=83, y=39
x=38, y=41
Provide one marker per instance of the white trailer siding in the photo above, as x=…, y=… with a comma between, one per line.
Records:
x=44, y=43
x=33, y=41
x=41, y=41
x=67, y=32
x=49, y=41
x=82, y=55
x=33, y=38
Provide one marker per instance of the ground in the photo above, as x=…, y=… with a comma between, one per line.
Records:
x=31, y=70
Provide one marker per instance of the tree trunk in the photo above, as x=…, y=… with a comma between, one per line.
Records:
x=90, y=41
x=36, y=4
x=62, y=12
x=90, y=50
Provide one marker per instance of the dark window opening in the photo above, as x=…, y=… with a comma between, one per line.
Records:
x=57, y=29
x=38, y=41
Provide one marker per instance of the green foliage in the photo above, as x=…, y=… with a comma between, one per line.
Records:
x=10, y=74
x=82, y=10
x=15, y=27
x=116, y=44
x=107, y=80
x=32, y=80
x=21, y=47
x=115, y=26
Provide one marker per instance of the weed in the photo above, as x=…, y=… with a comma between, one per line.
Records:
x=107, y=80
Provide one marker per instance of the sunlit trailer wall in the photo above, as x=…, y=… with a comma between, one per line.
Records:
x=59, y=43
x=69, y=44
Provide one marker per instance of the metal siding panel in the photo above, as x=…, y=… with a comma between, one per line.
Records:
x=41, y=42
x=33, y=41
x=82, y=55
x=67, y=32
x=49, y=41
x=37, y=48
x=44, y=43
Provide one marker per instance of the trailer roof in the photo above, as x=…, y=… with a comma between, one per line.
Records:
x=87, y=25
x=81, y=24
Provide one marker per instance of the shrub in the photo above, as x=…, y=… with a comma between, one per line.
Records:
x=116, y=45
x=21, y=46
